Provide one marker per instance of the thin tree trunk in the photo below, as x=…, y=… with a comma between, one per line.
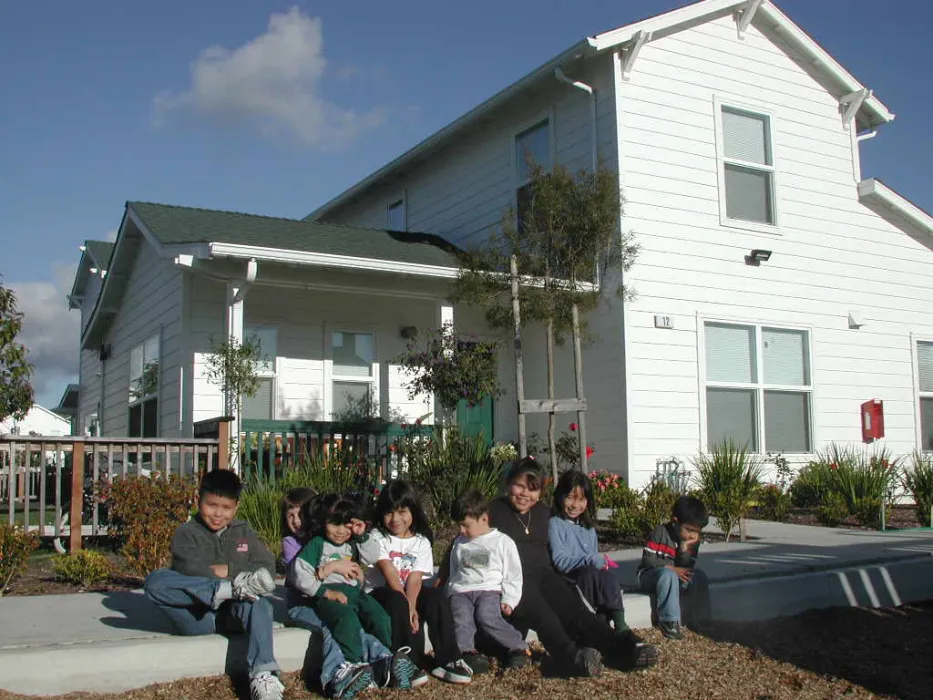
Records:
x=519, y=361
x=551, y=418
x=578, y=381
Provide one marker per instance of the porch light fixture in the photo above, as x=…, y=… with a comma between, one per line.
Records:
x=409, y=332
x=757, y=256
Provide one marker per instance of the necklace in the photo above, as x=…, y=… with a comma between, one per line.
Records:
x=527, y=526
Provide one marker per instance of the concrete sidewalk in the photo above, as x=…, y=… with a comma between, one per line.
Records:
x=58, y=644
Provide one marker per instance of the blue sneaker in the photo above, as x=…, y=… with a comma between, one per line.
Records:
x=404, y=670
x=350, y=680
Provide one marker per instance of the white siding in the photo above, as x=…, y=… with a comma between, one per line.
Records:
x=832, y=254
x=151, y=304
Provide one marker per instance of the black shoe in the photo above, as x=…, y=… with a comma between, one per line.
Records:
x=588, y=663
x=382, y=672
x=518, y=659
x=671, y=629
x=476, y=661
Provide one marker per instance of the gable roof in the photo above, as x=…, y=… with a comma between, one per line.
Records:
x=174, y=225
x=871, y=113
x=874, y=192
x=94, y=254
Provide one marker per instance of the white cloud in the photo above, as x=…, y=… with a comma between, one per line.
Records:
x=111, y=235
x=50, y=332
x=273, y=82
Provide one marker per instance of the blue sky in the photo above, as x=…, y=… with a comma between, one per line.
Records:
x=107, y=100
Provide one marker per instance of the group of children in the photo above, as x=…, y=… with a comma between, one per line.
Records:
x=367, y=593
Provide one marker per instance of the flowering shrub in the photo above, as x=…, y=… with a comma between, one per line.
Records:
x=568, y=450
x=609, y=489
x=918, y=480
x=504, y=452
x=452, y=369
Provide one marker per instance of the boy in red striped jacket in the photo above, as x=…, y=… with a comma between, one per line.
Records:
x=668, y=565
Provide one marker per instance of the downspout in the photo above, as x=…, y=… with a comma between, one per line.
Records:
x=561, y=76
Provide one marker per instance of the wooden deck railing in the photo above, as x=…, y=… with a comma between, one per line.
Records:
x=41, y=489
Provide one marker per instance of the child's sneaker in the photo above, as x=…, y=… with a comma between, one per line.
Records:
x=265, y=686
x=633, y=653
x=520, y=658
x=457, y=671
x=478, y=663
x=252, y=585
x=382, y=672
x=404, y=670
x=349, y=681
x=588, y=662
x=671, y=629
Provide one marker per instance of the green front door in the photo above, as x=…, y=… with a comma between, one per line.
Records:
x=476, y=420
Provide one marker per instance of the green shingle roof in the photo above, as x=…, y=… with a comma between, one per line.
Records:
x=179, y=225
x=100, y=251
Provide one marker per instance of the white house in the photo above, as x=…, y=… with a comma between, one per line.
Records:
x=37, y=421
x=777, y=288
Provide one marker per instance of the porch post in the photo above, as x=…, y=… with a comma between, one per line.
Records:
x=234, y=331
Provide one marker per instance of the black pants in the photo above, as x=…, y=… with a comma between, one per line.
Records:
x=434, y=610
x=600, y=587
x=553, y=608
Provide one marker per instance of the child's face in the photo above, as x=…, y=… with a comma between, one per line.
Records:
x=689, y=533
x=398, y=522
x=293, y=520
x=338, y=534
x=472, y=528
x=575, y=503
x=521, y=494
x=216, y=511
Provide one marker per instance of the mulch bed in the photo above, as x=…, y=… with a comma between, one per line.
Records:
x=821, y=655
x=896, y=518
x=39, y=578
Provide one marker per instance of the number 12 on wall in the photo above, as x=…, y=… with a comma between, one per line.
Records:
x=663, y=321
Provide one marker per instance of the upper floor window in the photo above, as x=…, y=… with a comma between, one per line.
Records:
x=261, y=405
x=747, y=166
x=144, y=389
x=925, y=381
x=532, y=147
x=396, y=216
x=758, y=387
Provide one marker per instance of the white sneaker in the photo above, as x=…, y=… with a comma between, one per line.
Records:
x=265, y=685
x=457, y=671
x=252, y=585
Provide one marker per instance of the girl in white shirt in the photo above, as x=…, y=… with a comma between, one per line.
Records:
x=399, y=559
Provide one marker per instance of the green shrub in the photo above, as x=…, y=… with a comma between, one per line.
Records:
x=345, y=471
x=657, y=502
x=16, y=544
x=627, y=520
x=868, y=513
x=812, y=484
x=833, y=510
x=729, y=478
x=145, y=512
x=261, y=506
x=85, y=568
x=864, y=478
x=918, y=481
x=774, y=503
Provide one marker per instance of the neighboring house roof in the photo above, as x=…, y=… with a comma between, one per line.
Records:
x=37, y=420
x=68, y=403
x=874, y=192
x=173, y=225
x=871, y=113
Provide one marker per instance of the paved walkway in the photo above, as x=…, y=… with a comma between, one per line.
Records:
x=55, y=644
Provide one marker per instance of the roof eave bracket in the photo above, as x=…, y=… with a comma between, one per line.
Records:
x=630, y=54
x=851, y=103
x=252, y=267
x=744, y=17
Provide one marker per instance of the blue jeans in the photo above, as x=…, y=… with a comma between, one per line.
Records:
x=187, y=601
x=666, y=588
x=333, y=658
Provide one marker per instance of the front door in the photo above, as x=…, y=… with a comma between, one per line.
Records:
x=476, y=420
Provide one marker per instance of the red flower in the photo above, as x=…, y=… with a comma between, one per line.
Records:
x=404, y=425
x=418, y=422
x=834, y=466
x=589, y=451
x=573, y=427
x=884, y=463
x=393, y=448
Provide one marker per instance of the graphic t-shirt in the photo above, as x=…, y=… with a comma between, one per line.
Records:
x=407, y=554
x=302, y=573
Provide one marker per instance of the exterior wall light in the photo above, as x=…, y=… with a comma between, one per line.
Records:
x=757, y=256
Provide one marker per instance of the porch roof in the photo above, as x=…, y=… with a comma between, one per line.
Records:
x=175, y=225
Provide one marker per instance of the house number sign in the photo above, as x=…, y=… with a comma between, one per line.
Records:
x=663, y=321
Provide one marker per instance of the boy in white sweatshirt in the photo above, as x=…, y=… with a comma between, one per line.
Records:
x=484, y=581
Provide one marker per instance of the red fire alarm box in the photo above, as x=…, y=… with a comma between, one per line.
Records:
x=872, y=420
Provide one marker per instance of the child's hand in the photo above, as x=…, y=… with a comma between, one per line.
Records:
x=688, y=543
x=357, y=527
x=336, y=596
x=220, y=570
x=506, y=609
x=414, y=620
x=346, y=568
x=683, y=573
x=609, y=563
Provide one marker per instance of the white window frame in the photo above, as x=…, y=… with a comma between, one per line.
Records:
x=139, y=400
x=546, y=116
x=760, y=387
x=330, y=377
x=722, y=161
x=915, y=340
x=402, y=200
x=272, y=372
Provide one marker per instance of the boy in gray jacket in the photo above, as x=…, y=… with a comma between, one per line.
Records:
x=668, y=565
x=220, y=573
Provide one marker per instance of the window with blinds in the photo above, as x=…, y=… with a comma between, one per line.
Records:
x=353, y=381
x=260, y=406
x=925, y=384
x=267, y=339
x=748, y=166
x=758, y=387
